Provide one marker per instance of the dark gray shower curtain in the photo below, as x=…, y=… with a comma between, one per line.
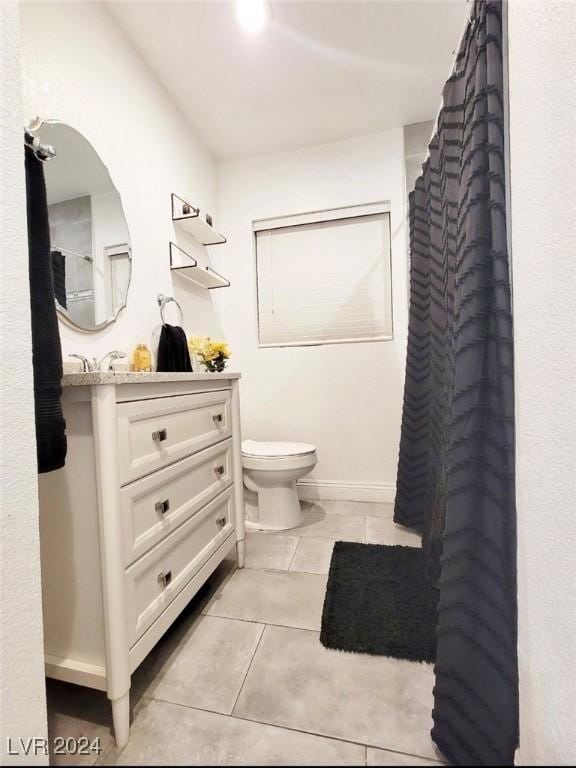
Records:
x=456, y=467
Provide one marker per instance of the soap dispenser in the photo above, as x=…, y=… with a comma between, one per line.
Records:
x=142, y=359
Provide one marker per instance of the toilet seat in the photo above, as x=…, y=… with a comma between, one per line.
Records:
x=276, y=455
x=276, y=449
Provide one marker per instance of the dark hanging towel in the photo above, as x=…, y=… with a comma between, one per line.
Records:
x=173, y=354
x=46, y=351
x=59, y=276
x=456, y=467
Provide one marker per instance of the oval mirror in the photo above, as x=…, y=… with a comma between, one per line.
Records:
x=89, y=239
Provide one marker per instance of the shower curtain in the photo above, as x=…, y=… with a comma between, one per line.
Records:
x=456, y=466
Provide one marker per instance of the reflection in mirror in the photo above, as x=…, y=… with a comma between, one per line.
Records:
x=90, y=243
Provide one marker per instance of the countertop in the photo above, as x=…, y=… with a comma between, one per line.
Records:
x=127, y=377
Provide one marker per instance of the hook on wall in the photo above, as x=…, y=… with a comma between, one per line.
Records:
x=43, y=152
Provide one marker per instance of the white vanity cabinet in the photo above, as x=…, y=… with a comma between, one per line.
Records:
x=149, y=503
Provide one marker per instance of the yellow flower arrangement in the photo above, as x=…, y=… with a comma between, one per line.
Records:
x=212, y=354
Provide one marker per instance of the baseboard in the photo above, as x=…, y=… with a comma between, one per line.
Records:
x=310, y=490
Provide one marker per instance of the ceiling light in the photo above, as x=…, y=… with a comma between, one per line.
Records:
x=252, y=15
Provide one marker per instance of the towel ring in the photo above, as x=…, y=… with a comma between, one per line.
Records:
x=162, y=301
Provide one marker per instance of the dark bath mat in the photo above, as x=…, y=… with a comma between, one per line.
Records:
x=379, y=601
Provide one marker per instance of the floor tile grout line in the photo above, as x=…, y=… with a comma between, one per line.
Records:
x=293, y=729
x=283, y=570
x=296, y=548
x=290, y=728
x=265, y=623
x=317, y=536
x=248, y=670
x=282, y=626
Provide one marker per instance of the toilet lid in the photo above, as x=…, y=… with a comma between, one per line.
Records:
x=274, y=449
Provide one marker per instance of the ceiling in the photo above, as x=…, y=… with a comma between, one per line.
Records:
x=321, y=70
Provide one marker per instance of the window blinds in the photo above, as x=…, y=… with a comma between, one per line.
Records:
x=324, y=282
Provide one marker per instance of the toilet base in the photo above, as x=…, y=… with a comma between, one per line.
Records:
x=272, y=478
x=278, y=509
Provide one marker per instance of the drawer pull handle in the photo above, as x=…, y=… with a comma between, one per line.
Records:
x=165, y=577
x=218, y=418
x=162, y=506
x=221, y=522
x=219, y=470
x=160, y=435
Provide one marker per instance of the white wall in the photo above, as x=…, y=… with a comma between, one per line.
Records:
x=22, y=692
x=79, y=68
x=542, y=60
x=345, y=398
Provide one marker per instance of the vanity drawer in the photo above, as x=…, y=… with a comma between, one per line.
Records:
x=154, y=433
x=156, y=505
x=154, y=581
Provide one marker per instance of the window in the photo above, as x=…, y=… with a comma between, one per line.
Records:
x=324, y=278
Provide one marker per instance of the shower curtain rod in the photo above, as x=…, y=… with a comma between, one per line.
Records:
x=71, y=253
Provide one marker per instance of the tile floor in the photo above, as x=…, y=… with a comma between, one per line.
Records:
x=241, y=678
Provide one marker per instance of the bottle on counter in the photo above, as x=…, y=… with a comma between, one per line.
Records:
x=142, y=359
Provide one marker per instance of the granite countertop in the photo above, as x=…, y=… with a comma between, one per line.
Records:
x=128, y=377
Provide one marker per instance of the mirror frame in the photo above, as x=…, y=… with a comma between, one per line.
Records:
x=35, y=125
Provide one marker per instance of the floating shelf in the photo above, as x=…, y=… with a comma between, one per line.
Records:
x=187, y=266
x=194, y=222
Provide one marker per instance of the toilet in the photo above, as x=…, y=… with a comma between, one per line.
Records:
x=271, y=470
